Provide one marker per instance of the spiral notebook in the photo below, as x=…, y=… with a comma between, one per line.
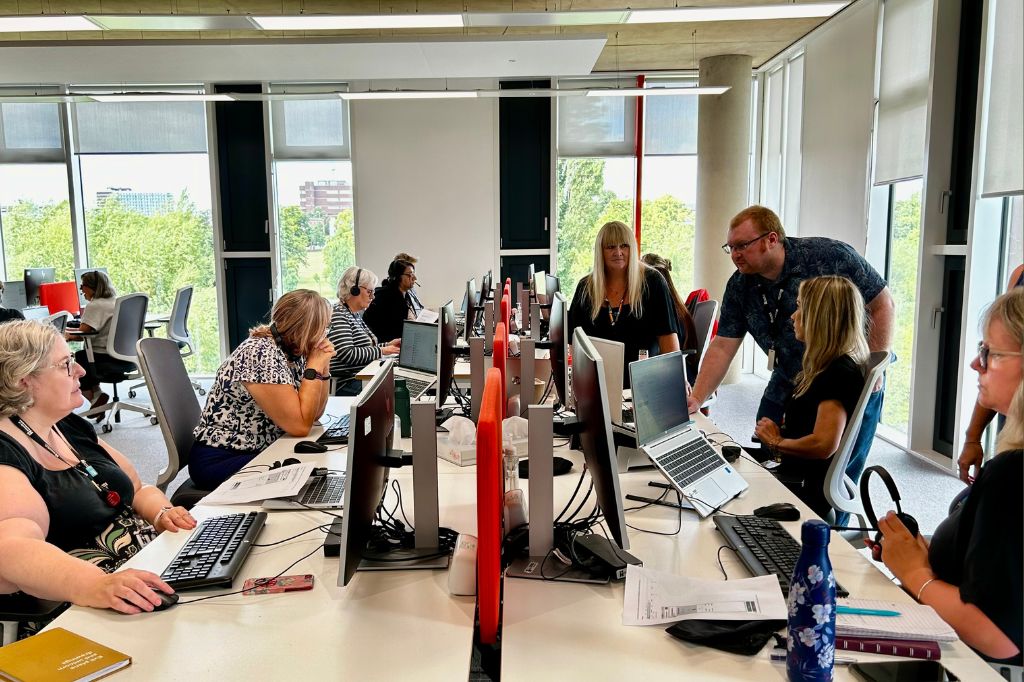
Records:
x=916, y=621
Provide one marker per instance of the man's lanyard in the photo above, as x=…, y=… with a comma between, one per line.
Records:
x=773, y=313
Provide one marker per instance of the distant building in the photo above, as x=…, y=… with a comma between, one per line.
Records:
x=330, y=196
x=146, y=203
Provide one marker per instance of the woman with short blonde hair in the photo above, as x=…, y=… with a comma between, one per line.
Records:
x=275, y=383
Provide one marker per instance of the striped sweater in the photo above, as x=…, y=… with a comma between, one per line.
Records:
x=355, y=345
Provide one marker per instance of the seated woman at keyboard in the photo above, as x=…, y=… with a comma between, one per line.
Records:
x=971, y=571
x=354, y=344
x=275, y=383
x=624, y=300
x=829, y=320
x=72, y=508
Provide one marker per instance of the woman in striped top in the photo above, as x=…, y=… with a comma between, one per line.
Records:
x=354, y=343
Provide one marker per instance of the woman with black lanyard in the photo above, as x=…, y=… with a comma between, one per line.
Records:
x=72, y=508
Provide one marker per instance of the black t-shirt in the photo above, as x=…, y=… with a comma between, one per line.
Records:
x=77, y=513
x=657, y=318
x=843, y=380
x=979, y=546
x=10, y=315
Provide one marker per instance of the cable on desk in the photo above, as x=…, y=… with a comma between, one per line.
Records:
x=679, y=517
x=324, y=527
x=720, y=564
x=579, y=484
x=659, y=498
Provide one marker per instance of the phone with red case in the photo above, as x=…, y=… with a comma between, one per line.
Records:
x=285, y=583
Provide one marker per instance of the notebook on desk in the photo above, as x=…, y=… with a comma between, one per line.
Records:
x=666, y=433
x=915, y=622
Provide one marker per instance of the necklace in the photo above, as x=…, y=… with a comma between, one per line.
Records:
x=613, y=317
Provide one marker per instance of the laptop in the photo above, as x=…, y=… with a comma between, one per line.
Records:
x=417, y=360
x=319, y=492
x=666, y=433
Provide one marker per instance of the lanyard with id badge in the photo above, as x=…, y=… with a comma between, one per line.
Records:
x=773, y=321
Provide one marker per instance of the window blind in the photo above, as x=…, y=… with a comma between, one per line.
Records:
x=1003, y=171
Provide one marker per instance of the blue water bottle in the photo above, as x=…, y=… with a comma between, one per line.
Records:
x=812, y=609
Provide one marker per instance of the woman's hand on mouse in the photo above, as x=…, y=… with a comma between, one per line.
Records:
x=127, y=591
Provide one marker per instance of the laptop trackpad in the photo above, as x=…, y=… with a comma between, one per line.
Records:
x=709, y=493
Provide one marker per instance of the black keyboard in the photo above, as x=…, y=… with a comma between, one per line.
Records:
x=690, y=461
x=336, y=433
x=764, y=546
x=215, y=553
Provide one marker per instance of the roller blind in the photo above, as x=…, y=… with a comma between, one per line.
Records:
x=30, y=133
x=1004, y=111
x=140, y=127
x=315, y=128
x=671, y=122
x=596, y=126
x=903, y=90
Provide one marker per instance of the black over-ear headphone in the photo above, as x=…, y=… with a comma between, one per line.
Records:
x=865, y=497
x=292, y=357
x=354, y=290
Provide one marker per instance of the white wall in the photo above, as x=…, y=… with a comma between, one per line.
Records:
x=837, y=118
x=426, y=182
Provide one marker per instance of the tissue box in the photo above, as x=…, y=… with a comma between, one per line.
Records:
x=460, y=456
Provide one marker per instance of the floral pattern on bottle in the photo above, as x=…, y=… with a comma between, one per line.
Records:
x=812, y=609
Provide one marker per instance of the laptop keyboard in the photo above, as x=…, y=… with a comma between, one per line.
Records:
x=416, y=386
x=690, y=462
x=324, y=490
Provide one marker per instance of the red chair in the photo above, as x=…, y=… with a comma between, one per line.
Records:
x=489, y=501
x=59, y=297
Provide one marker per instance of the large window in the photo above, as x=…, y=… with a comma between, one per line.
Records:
x=146, y=196
x=36, y=219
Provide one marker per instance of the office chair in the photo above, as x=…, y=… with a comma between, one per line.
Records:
x=842, y=492
x=177, y=330
x=59, y=320
x=704, y=315
x=22, y=608
x=125, y=332
x=177, y=411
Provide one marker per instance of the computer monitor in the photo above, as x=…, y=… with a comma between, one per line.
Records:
x=33, y=278
x=486, y=284
x=551, y=285
x=613, y=357
x=531, y=271
x=78, y=280
x=472, y=305
x=596, y=436
x=372, y=420
x=35, y=312
x=446, y=339
x=14, y=294
x=559, y=352
x=539, y=286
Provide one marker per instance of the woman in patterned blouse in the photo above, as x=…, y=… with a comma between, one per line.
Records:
x=275, y=383
x=355, y=344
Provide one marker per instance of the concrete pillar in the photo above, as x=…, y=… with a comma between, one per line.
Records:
x=723, y=164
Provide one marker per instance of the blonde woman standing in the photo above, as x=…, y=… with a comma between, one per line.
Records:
x=624, y=300
x=829, y=320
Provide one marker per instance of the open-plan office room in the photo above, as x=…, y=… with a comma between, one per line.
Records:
x=215, y=157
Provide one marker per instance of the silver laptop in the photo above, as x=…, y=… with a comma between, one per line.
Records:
x=666, y=433
x=319, y=492
x=417, y=360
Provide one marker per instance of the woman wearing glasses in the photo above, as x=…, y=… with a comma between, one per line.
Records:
x=624, y=300
x=355, y=345
x=72, y=508
x=394, y=302
x=275, y=383
x=96, y=317
x=971, y=571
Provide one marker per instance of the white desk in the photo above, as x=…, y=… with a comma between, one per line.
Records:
x=383, y=625
x=554, y=630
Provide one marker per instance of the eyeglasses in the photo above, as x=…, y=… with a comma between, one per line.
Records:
x=368, y=290
x=742, y=246
x=411, y=275
x=985, y=354
x=67, y=364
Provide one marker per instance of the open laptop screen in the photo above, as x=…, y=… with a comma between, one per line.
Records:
x=419, y=347
x=659, y=396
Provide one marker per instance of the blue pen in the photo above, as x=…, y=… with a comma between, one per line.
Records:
x=853, y=611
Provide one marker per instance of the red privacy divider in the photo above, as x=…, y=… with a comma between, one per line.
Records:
x=58, y=296
x=505, y=309
x=499, y=358
x=489, y=500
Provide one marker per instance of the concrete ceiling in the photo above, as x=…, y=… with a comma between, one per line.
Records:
x=647, y=48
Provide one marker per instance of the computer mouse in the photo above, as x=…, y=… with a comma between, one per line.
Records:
x=166, y=600
x=307, y=447
x=780, y=511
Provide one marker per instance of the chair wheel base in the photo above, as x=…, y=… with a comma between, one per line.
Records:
x=107, y=428
x=154, y=421
x=132, y=394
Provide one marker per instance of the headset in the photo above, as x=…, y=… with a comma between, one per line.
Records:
x=354, y=290
x=865, y=496
x=397, y=269
x=292, y=357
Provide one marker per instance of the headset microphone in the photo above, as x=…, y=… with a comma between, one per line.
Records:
x=909, y=521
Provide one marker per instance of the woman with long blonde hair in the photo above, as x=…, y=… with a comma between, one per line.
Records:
x=624, y=300
x=829, y=319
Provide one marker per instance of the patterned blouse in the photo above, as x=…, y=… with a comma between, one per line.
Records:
x=231, y=418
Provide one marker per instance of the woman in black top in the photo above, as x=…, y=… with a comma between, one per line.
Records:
x=624, y=300
x=829, y=319
x=72, y=508
x=393, y=303
x=8, y=314
x=971, y=573
x=684, y=321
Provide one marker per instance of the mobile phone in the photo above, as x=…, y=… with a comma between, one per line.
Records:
x=285, y=583
x=902, y=671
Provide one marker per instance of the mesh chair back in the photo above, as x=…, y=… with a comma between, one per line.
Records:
x=59, y=320
x=177, y=327
x=126, y=326
x=704, y=316
x=176, y=406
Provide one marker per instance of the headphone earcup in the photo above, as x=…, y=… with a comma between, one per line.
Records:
x=354, y=290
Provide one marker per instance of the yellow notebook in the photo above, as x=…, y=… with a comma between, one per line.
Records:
x=59, y=656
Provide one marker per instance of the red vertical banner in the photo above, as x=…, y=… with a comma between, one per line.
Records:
x=639, y=152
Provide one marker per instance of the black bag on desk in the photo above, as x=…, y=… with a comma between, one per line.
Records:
x=745, y=637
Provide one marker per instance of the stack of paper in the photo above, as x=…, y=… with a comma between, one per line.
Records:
x=916, y=621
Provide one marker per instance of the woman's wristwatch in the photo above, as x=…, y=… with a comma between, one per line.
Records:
x=312, y=374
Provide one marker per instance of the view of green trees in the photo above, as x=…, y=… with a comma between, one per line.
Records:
x=584, y=205
x=310, y=259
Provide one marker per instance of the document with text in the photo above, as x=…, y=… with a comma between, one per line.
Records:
x=654, y=598
x=280, y=482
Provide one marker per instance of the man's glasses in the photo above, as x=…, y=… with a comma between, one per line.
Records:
x=985, y=354
x=67, y=364
x=742, y=246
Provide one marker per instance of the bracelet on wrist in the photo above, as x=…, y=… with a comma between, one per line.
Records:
x=159, y=514
x=926, y=583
